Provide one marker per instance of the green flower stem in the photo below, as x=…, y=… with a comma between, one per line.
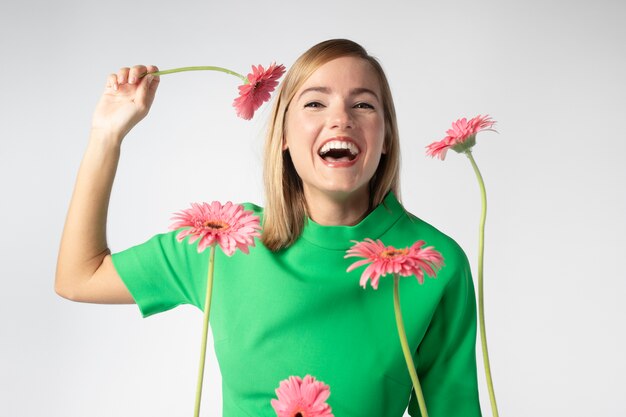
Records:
x=481, y=303
x=205, y=328
x=201, y=68
x=408, y=357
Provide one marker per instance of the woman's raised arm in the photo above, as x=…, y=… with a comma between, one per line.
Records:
x=84, y=268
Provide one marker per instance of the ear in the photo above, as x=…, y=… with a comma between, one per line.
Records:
x=285, y=146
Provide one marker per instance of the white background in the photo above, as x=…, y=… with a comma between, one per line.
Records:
x=550, y=72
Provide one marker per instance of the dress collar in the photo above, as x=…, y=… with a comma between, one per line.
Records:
x=373, y=226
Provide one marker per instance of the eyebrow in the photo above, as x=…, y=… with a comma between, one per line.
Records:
x=353, y=92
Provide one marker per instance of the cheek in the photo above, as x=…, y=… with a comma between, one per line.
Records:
x=300, y=133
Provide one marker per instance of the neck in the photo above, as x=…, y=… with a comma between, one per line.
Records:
x=336, y=209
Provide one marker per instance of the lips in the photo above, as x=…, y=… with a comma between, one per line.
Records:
x=339, y=152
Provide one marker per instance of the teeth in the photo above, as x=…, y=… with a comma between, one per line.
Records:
x=339, y=144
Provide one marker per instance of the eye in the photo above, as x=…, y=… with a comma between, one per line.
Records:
x=363, y=105
x=314, y=104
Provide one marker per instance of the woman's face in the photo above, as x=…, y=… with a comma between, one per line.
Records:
x=335, y=129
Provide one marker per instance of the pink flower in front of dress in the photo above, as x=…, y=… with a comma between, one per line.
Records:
x=299, y=397
x=228, y=225
x=461, y=137
x=257, y=90
x=383, y=260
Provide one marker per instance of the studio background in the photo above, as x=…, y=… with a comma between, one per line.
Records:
x=550, y=72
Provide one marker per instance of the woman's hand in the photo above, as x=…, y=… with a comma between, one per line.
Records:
x=126, y=100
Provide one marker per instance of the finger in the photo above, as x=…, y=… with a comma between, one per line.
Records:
x=147, y=89
x=145, y=84
x=153, y=80
x=112, y=81
x=135, y=73
x=122, y=75
x=152, y=69
x=150, y=82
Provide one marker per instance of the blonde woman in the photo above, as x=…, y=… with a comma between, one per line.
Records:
x=289, y=308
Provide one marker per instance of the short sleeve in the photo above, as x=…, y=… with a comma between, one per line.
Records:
x=162, y=273
x=446, y=357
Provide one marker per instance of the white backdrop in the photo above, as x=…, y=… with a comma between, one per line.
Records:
x=550, y=72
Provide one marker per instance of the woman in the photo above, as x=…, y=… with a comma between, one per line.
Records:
x=289, y=307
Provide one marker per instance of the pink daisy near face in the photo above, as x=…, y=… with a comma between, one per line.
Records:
x=461, y=137
x=258, y=89
x=299, y=397
x=228, y=225
x=383, y=260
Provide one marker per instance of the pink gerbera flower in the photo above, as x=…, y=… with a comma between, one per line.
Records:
x=299, y=397
x=461, y=137
x=228, y=225
x=383, y=260
x=257, y=90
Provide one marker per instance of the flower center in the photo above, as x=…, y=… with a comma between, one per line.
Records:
x=216, y=225
x=392, y=253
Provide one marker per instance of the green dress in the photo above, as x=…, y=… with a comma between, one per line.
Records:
x=298, y=312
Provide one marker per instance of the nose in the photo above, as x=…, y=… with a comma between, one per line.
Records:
x=341, y=117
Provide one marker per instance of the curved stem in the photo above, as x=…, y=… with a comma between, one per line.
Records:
x=405, y=347
x=201, y=68
x=205, y=328
x=481, y=303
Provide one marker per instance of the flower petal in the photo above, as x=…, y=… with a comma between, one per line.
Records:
x=384, y=260
x=218, y=223
x=258, y=89
x=306, y=396
x=461, y=136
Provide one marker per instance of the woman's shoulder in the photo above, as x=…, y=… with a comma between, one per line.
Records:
x=415, y=229
x=253, y=207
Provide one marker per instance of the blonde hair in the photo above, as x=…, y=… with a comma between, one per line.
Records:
x=285, y=207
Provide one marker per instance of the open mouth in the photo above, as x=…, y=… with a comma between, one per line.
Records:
x=338, y=151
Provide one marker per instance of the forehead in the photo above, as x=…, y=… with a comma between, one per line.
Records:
x=343, y=74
